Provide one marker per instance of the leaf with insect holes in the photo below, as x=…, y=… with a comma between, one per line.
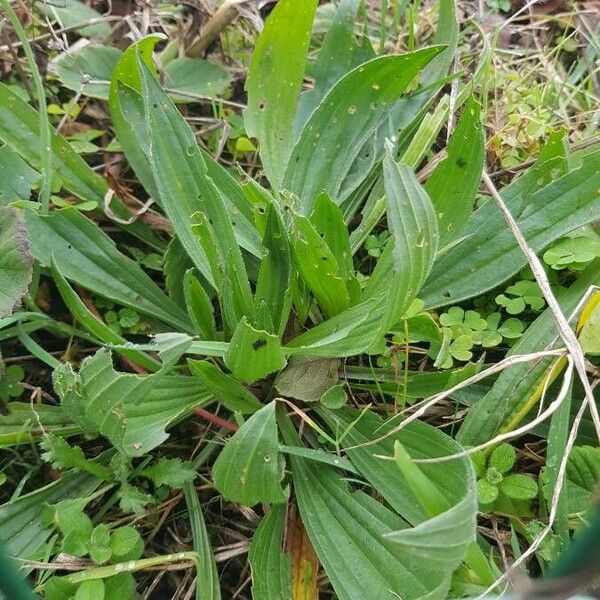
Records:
x=454, y=182
x=340, y=132
x=249, y=469
x=16, y=261
x=253, y=353
x=102, y=400
x=274, y=82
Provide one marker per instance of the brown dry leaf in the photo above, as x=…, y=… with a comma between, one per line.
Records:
x=305, y=564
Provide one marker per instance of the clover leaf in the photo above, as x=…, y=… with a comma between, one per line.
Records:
x=517, y=297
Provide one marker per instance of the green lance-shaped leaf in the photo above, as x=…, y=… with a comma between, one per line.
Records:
x=271, y=567
x=253, y=353
x=275, y=80
x=127, y=112
x=353, y=536
x=274, y=275
x=413, y=225
x=16, y=261
x=454, y=182
x=344, y=124
x=348, y=333
x=318, y=267
x=338, y=55
x=226, y=388
x=86, y=255
x=489, y=254
x=249, y=469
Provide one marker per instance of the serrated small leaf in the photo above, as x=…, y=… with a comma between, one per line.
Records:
x=519, y=487
x=16, y=262
x=249, y=469
x=253, y=354
x=486, y=491
x=503, y=458
x=99, y=544
x=126, y=544
x=61, y=455
x=172, y=472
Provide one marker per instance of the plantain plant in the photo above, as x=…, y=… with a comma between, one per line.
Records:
x=263, y=301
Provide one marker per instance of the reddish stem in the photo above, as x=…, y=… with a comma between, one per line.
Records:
x=211, y=418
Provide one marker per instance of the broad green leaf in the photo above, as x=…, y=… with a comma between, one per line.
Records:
x=228, y=390
x=274, y=82
x=271, y=567
x=128, y=116
x=351, y=535
x=343, y=126
x=454, y=480
x=21, y=526
x=126, y=544
x=253, y=353
x=510, y=393
x=16, y=177
x=274, y=275
x=16, y=262
x=413, y=226
x=102, y=400
x=453, y=184
x=349, y=333
x=20, y=423
x=86, y=255
x=307, y=379
x=339, y=53
x=195, y=76
x=249, y=469
x=87, y=70
x=519, y=487
x=489, y=255
x=583, y=475
x=207, y=584
x=318, y=267
x=72, y=13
